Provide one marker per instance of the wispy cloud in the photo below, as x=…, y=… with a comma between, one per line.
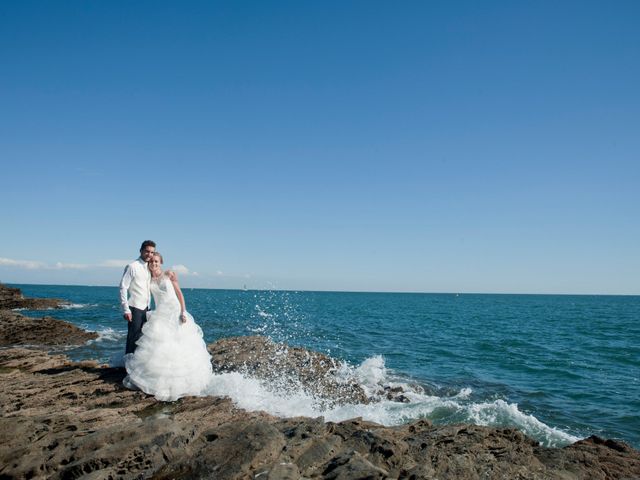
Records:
x=28, y=264
x=71, y=266
x=182, y=270
x=110, y=263
x=35, y=265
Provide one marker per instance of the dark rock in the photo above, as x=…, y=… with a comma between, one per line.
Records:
x=11, y=298
x=350, y=465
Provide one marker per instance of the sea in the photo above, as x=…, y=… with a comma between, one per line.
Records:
x=557, y=367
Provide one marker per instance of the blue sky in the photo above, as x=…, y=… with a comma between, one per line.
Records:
x=382, y=146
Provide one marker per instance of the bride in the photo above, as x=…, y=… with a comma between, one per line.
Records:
x=171, y=360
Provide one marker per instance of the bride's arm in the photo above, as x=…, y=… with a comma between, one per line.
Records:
x=174, y=281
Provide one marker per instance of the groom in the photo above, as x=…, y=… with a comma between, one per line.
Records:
x=136, y=282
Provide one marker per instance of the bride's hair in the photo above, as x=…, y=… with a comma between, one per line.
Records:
x=157, y=254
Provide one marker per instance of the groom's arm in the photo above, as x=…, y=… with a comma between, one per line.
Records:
x=127, y=276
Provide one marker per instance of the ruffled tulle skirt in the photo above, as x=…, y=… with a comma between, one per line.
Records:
x=171, y=359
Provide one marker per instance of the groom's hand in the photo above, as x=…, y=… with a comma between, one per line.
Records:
x=127, y=316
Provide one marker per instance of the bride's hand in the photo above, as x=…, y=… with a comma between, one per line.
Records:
x=183, y=317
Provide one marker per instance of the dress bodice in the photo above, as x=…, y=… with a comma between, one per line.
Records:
x=164, y=295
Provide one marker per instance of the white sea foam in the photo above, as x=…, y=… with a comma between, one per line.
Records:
x=500, y=412
x=70, y=306
x=252, y=394
x=463, y=394
x=371, y=373
x=109, y=334
x=278, y=398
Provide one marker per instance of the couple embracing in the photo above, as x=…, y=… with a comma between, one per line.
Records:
x=165, y=354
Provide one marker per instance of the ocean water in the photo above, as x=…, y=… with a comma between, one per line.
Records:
x=558, y=367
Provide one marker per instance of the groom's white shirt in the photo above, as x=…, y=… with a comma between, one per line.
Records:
x=136, y=281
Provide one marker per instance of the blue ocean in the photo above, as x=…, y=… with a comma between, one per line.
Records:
x=558, y=367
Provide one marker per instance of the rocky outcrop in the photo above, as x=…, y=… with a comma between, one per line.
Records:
x=17, y=329
x=12, y=298
x=287, y=367
x=65, y=420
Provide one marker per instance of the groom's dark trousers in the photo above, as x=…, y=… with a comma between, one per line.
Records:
x=138, y=319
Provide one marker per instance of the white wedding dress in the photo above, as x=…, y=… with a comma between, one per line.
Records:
x=171, y=359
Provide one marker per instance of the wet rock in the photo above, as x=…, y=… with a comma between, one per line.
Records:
x=287, y=367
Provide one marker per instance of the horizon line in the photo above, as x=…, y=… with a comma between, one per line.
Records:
x=344, y=291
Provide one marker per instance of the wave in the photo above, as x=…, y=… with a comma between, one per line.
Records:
x=71, y=306
x=501, y=413
x=110, y=335
x=62, y=306
x=387, y=406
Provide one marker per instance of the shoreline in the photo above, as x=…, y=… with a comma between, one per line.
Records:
x=65, y=419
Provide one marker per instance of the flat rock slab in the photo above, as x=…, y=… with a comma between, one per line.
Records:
x=16, y=329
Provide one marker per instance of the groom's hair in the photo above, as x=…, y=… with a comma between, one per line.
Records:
x=147, y=243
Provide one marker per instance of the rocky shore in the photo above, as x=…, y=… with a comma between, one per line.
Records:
x=12, y=298
x=66, y=420
x=17, y=329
